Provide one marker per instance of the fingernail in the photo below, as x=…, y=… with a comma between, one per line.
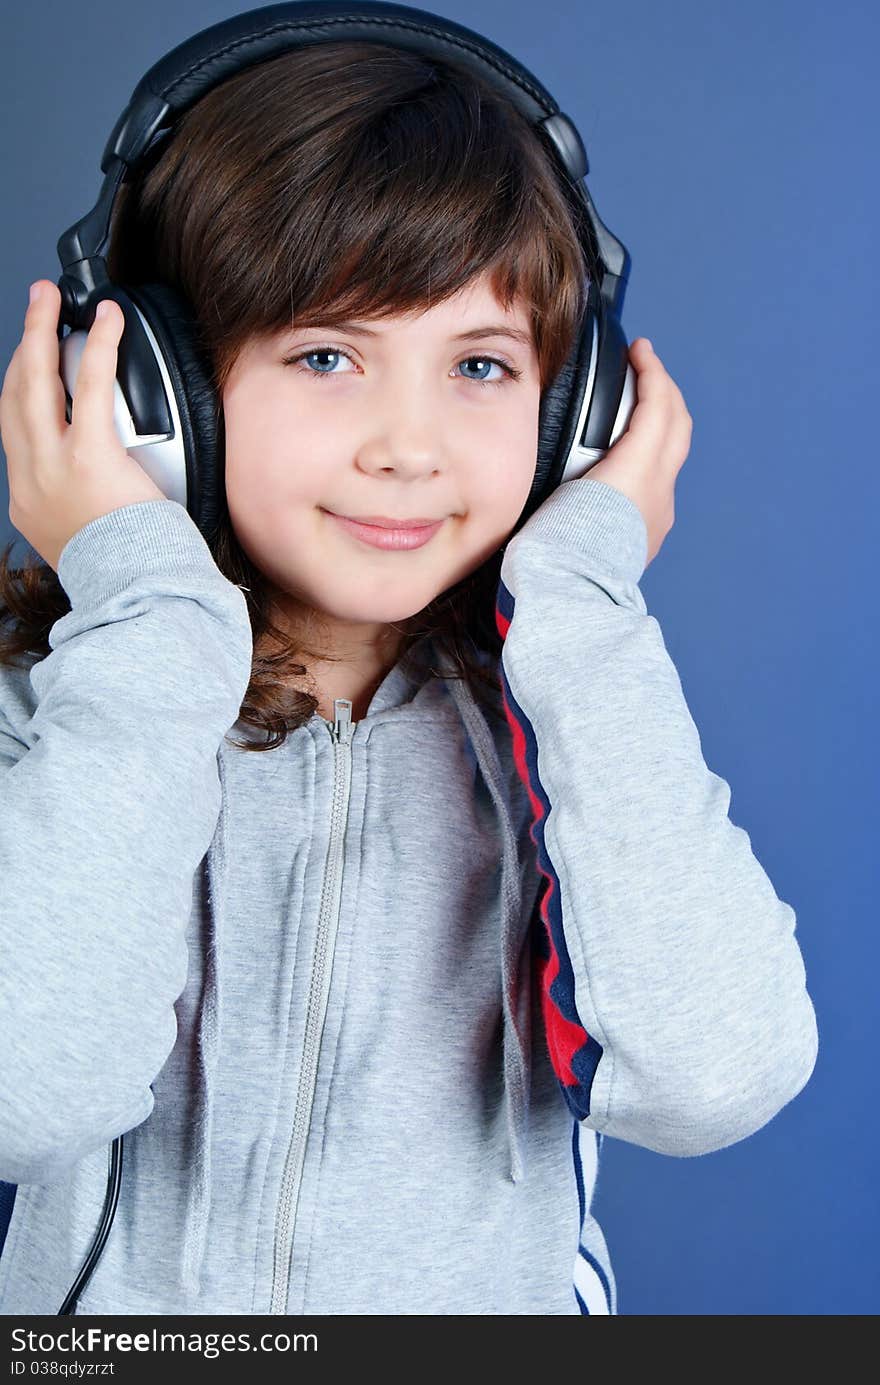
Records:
x=647, y=340
x=36, y=290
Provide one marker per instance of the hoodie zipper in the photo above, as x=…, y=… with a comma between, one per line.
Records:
x=341, y=732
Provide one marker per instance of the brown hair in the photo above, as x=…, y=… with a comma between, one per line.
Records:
x=339, y=180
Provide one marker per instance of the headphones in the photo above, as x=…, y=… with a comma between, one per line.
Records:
x=166, y=412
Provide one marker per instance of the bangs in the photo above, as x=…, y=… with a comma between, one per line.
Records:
x=409, y=216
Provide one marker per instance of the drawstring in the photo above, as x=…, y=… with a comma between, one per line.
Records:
x=514, y=978
x=195, y=1234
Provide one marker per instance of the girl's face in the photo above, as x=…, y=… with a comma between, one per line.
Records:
x=395, y=422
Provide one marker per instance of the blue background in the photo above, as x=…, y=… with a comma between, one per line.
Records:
x=730, y=151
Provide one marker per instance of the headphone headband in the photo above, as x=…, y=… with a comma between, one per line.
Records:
x=183, y=75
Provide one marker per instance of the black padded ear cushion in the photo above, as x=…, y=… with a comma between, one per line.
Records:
x=172, y=321
x=558, y=412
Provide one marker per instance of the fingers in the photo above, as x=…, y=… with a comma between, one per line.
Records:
x=42, y=390
x=33, y=397
x=93, y=399
x=649, y=415
x=653, y=375
x=646, y=360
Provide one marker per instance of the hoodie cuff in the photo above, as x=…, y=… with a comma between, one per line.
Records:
x=148, y=537
x=595, y=519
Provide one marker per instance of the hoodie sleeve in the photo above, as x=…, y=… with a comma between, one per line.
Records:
x=109, y=796
x=673, y=990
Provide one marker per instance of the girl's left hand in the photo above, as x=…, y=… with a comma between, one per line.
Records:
x=646, y=459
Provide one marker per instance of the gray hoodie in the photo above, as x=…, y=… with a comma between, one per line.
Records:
x=365, y=1006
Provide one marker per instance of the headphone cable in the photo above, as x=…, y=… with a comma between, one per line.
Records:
x=114, y=1182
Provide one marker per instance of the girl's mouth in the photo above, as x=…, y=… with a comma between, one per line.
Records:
x=388, y=538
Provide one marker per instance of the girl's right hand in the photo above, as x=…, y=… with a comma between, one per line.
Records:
x=63, y=475
x=646, y=459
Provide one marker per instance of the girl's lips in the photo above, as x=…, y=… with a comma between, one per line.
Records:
x=388, y=538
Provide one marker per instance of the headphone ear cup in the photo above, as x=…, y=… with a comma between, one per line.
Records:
x=172, y=322
x=558, y=413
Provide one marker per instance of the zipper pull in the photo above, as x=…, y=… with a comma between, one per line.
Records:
x=342, y=713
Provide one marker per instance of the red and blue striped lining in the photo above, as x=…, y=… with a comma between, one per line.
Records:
x=574, y=1053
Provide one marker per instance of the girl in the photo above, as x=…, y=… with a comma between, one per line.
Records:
x=366, y=984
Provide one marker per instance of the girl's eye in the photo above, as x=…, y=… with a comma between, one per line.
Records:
x=511, y=372
x=316, y=351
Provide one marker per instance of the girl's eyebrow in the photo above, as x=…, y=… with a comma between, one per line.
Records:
x=492, y=330
x=495, y=330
